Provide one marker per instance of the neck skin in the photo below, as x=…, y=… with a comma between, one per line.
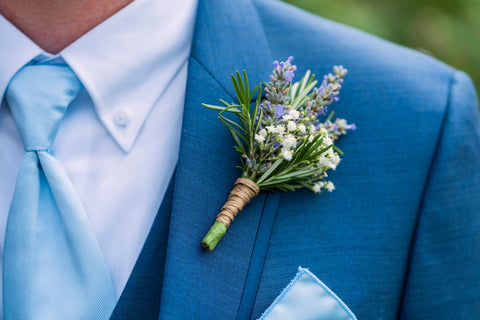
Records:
x=54, y=24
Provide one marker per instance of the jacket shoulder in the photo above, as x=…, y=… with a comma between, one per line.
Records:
x=319, y=43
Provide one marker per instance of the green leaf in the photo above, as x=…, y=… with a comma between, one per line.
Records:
x=226, y=104
x=236, y=87
x=235, y=134
x=218, y=108
x=239, y=149
x=270, y=171
x=259, y=121
x=241, y=91
x=297, y=174
x=287, y=187
x=234, y=82
x=245, y=79
x=258, y=91
x=300, y=90
x=244, y=119
x=293, y=90
x=319, y=153
x=338, y=150
x=272, y=183
x=308, y=147
x=257, y=103
x=233, y=123
x=330, y=116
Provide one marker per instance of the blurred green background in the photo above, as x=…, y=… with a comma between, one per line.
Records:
x=446, y=29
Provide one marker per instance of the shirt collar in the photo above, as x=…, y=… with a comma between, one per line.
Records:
x=16, y=50
x=125, y=63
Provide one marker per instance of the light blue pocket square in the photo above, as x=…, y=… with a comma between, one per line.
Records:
x=306, y=297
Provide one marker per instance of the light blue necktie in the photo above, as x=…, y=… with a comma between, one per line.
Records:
x=52, y=265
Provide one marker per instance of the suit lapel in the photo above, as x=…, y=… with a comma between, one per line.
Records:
x=210, y=285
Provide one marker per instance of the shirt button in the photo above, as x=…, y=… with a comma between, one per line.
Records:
x=122, y=117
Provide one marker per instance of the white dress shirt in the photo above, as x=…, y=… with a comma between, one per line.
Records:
x=119, y=140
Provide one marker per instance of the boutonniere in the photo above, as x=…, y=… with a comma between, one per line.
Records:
x=282, y=143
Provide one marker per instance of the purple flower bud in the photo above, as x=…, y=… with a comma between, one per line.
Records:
x=275, y=63
x=353, y=126
x=279, y=111
x=288, y=75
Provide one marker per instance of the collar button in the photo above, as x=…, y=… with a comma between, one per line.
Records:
x=122, y=117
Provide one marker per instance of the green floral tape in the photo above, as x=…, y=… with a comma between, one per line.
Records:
x=216, y=232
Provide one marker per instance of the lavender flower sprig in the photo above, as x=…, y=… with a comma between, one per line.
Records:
x=281, y=141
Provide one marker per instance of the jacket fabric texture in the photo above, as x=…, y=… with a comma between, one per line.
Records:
x=399, y=238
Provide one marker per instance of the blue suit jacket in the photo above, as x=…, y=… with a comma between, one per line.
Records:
x=398, y=238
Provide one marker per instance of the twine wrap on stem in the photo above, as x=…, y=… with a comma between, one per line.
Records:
x=243, y=191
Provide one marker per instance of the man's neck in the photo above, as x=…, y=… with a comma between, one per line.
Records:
x=54, y=24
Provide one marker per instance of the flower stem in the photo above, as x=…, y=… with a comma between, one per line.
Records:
x=216, y=232
x=243, y=191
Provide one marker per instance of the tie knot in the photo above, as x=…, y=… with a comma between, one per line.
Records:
x=38, y=96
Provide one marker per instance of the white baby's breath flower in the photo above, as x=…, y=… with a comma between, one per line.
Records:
x=330, y=186
x=323, y=162
x=289, y=141
x=271, y=128
x=327, y=141
x=294, y=113
x=317, y=187
x=301, y=128
x=259, y=138
x=287, y=117
x=334, y=161
x=287, y=154
x=263, y=132
x=329, y=153
x=291, y=126
x=312, y=128
x=280, y=129
x=310, y=138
